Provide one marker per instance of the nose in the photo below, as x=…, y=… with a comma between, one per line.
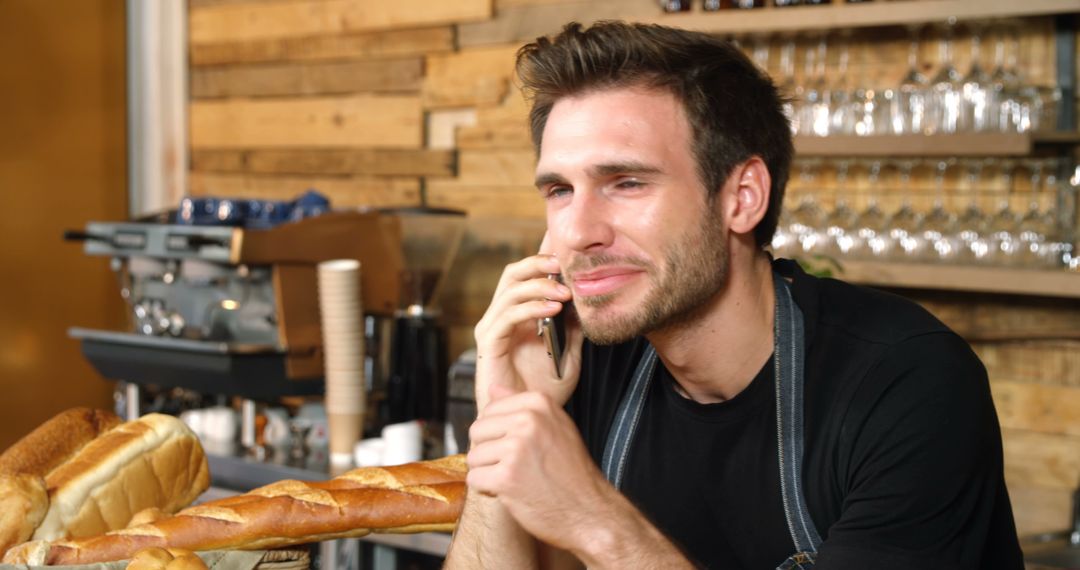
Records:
x=584, y=225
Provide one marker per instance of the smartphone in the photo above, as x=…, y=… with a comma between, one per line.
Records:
x=553, y=330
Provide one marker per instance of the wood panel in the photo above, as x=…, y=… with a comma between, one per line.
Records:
x=487, y=201
x=241, y=22
x=1002, y=318
x=1038, y=407
x=1051, y=363
x=490, y=183
x=392, y=43
x=474, y=77
x=357, y=121
x=333, y=78
x=503, y=127
x=381, y=162
x=524, y=23
x=343, y=191
x=1040, y=509
x=1040, y=459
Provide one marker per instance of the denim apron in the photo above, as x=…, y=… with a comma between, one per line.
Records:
x=788, y=356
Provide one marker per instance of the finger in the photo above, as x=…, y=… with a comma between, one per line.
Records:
x=512, y=409
x=528, y=268
x=503, y=322
x=489, y=454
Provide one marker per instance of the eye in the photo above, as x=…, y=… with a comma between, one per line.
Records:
x=629, y=183
x=557, y=190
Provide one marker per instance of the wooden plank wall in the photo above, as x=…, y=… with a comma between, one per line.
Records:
x=411, y=102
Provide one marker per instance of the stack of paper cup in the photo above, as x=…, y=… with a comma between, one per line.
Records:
x=343, y=345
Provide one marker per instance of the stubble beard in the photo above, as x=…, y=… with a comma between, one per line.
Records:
x=695, y=269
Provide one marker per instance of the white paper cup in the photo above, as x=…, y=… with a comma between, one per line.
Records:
x=404, y=443
x=369, y=452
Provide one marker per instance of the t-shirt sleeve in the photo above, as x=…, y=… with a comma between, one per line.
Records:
x=920, y=463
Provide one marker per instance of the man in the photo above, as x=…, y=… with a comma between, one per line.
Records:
x=726, y=411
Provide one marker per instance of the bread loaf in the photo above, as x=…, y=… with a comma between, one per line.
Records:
x=23, y=467
x=155, y=461
x=56, y=441
x=162, y=559
x=415, y=497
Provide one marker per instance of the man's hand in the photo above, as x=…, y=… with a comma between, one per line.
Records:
x=509, y=352
x=528, y=455
x=526, y=451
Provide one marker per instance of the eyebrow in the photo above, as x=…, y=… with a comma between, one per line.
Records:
x=600, y=171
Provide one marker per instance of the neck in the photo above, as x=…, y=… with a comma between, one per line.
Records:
x=717, y=353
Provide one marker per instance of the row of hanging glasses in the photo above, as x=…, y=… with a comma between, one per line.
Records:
x=984, y=211
x=991, y=95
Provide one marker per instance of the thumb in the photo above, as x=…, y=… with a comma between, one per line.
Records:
x=499, y=391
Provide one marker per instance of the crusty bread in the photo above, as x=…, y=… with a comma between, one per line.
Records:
x=415, y=497
x=162, y=559
x=155, y=461
x=23, y=466
x=56, y=441
x=23, y=502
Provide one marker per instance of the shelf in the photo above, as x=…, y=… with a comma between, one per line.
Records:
x=870, y=14
x=1033, y=282
x=988, y=144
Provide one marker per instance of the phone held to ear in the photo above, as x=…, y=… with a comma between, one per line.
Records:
x=553, y=331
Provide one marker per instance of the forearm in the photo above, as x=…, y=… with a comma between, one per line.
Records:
x=488, y=537
x=619, y=536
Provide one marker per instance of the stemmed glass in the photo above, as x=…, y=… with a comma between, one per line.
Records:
x=840, y=222
x=904, y=222
x=938, y=227
x=871, y=226
x=788, y=86
x=840, y=97
x=1004, y=243
x=910, y=105
x=812, y=91
x=808, y=217
x=975, y=91
x=972, y=223
x=1005, y=110
x=945, y=88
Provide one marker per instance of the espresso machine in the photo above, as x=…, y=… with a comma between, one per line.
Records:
x=232, y=309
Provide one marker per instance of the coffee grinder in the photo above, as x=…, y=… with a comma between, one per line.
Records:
x=415, y=386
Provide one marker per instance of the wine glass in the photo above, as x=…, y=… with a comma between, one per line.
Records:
x=840, y=97
x=909, y=108
x=938, y=226
x=871, y=225
x=1004, y=226
x=788, y=86
x=972, y=223
x=904, y=222
x=820, y=111
x=975, y=91
x=840, y=223
x=1005, y=109
x=808, y=217
x=945, y=89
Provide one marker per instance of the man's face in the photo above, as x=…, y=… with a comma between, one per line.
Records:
x=638, y=240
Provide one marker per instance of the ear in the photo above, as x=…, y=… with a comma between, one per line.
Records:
x=745, y=196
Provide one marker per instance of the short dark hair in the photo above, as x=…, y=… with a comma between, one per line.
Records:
x=734, y=109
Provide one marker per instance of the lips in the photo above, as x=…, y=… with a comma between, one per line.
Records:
x=603, y=281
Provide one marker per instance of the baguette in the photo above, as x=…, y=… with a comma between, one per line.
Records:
x=155, y=461
x=23, y=467
x=415, y=497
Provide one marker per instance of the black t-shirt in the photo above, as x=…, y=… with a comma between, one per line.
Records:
x=902, y=465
